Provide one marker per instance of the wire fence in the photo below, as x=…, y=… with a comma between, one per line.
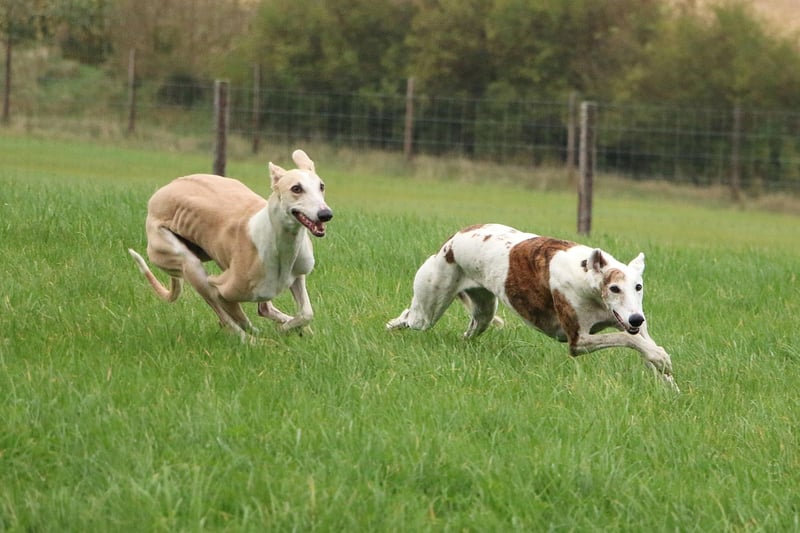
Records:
x=756, y=150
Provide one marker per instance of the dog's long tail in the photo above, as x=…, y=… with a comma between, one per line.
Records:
x=170, y=294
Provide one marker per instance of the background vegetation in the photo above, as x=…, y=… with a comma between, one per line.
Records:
x=694, y=53
x=702, y=92
x=120, y=411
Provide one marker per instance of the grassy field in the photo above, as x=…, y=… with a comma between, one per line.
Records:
x=121, y=412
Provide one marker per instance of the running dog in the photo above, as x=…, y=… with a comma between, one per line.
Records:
x=566, y=290
x=261, y=246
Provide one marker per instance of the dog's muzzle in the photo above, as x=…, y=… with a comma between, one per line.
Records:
x=316, y=227
x=635, y=322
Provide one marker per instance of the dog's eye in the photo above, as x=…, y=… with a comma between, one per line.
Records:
x=322, y=187
x=638, y=287
x=297, y=189
x=615, y=289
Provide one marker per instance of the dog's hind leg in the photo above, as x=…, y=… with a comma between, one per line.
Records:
x=435, y=286
x=482, y=306
x=230, y=314
x=173, y=256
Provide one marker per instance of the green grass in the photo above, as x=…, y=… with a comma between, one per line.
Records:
x=121, y=412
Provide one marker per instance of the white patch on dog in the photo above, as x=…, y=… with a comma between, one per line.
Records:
x=566, y=290
x=260, y=245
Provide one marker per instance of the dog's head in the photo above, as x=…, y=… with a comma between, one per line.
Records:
x=621, y=288
x=302, y=193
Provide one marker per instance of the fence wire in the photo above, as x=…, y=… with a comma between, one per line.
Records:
x=703, y=146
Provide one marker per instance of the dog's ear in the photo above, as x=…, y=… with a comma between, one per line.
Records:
x=596, y=261
x=276, y=173
x=302, y=160
x=638, y=263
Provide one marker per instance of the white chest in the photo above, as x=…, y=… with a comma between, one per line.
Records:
x=284, y=256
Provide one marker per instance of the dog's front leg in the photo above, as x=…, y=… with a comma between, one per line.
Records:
x=304, y=311
x=268, y=310
x=654, y=356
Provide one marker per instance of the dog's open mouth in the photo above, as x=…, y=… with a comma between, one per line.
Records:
x=316, y=228
x=630, y=329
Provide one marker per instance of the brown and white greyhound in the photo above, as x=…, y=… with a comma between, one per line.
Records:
x=261, y=246
x=566, y=290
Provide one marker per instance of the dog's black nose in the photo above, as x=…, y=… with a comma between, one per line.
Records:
x=324, y=215
x=636, y=320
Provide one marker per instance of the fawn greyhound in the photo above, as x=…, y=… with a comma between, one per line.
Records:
x=261, y=246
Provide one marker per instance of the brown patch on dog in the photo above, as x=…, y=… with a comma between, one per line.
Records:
x=568, y=317
x=449, y=256
x=447, y=250
x=487, y=238
x=613, y=275
x=470, y=228
x=528, y=282
x=597, y=259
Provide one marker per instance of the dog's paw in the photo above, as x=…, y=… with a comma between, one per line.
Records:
x=398, y=323
x=660, y=360
x=296, y=324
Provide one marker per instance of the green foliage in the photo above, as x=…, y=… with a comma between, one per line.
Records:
x=176, y=37
x=21, y=20
x=344, y=46
x=725, y=59
x=448, y=43
x=83, y=29
x=545, y=48
x=620, y=51
x=121, y=411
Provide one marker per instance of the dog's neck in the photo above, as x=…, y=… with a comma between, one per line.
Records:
x=281, y=221
x=274, y=236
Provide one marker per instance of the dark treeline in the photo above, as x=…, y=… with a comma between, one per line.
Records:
x=689, y=90
x=620, y=51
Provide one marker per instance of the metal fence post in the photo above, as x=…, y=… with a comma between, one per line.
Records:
x=132, y=91
x=736, y=142
x=586, y=166
x=256, y=122
x=408, y=134
x=7, y=86
x=220, y=126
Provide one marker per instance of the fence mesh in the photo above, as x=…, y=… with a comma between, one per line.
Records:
x=703, y=146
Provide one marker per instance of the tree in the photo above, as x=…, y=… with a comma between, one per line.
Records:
x=178, y=37
x=548, y=48
x=19, y=20
x=449, y=49
x=82, y=29
x=342, y=45
x=719, y=59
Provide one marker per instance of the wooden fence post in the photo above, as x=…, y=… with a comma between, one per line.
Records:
x=736, y=141
x=256, y=122
x=220, y=125
x=7, y=87
x=131, y=91
x=408, y=137
x=586, y=166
